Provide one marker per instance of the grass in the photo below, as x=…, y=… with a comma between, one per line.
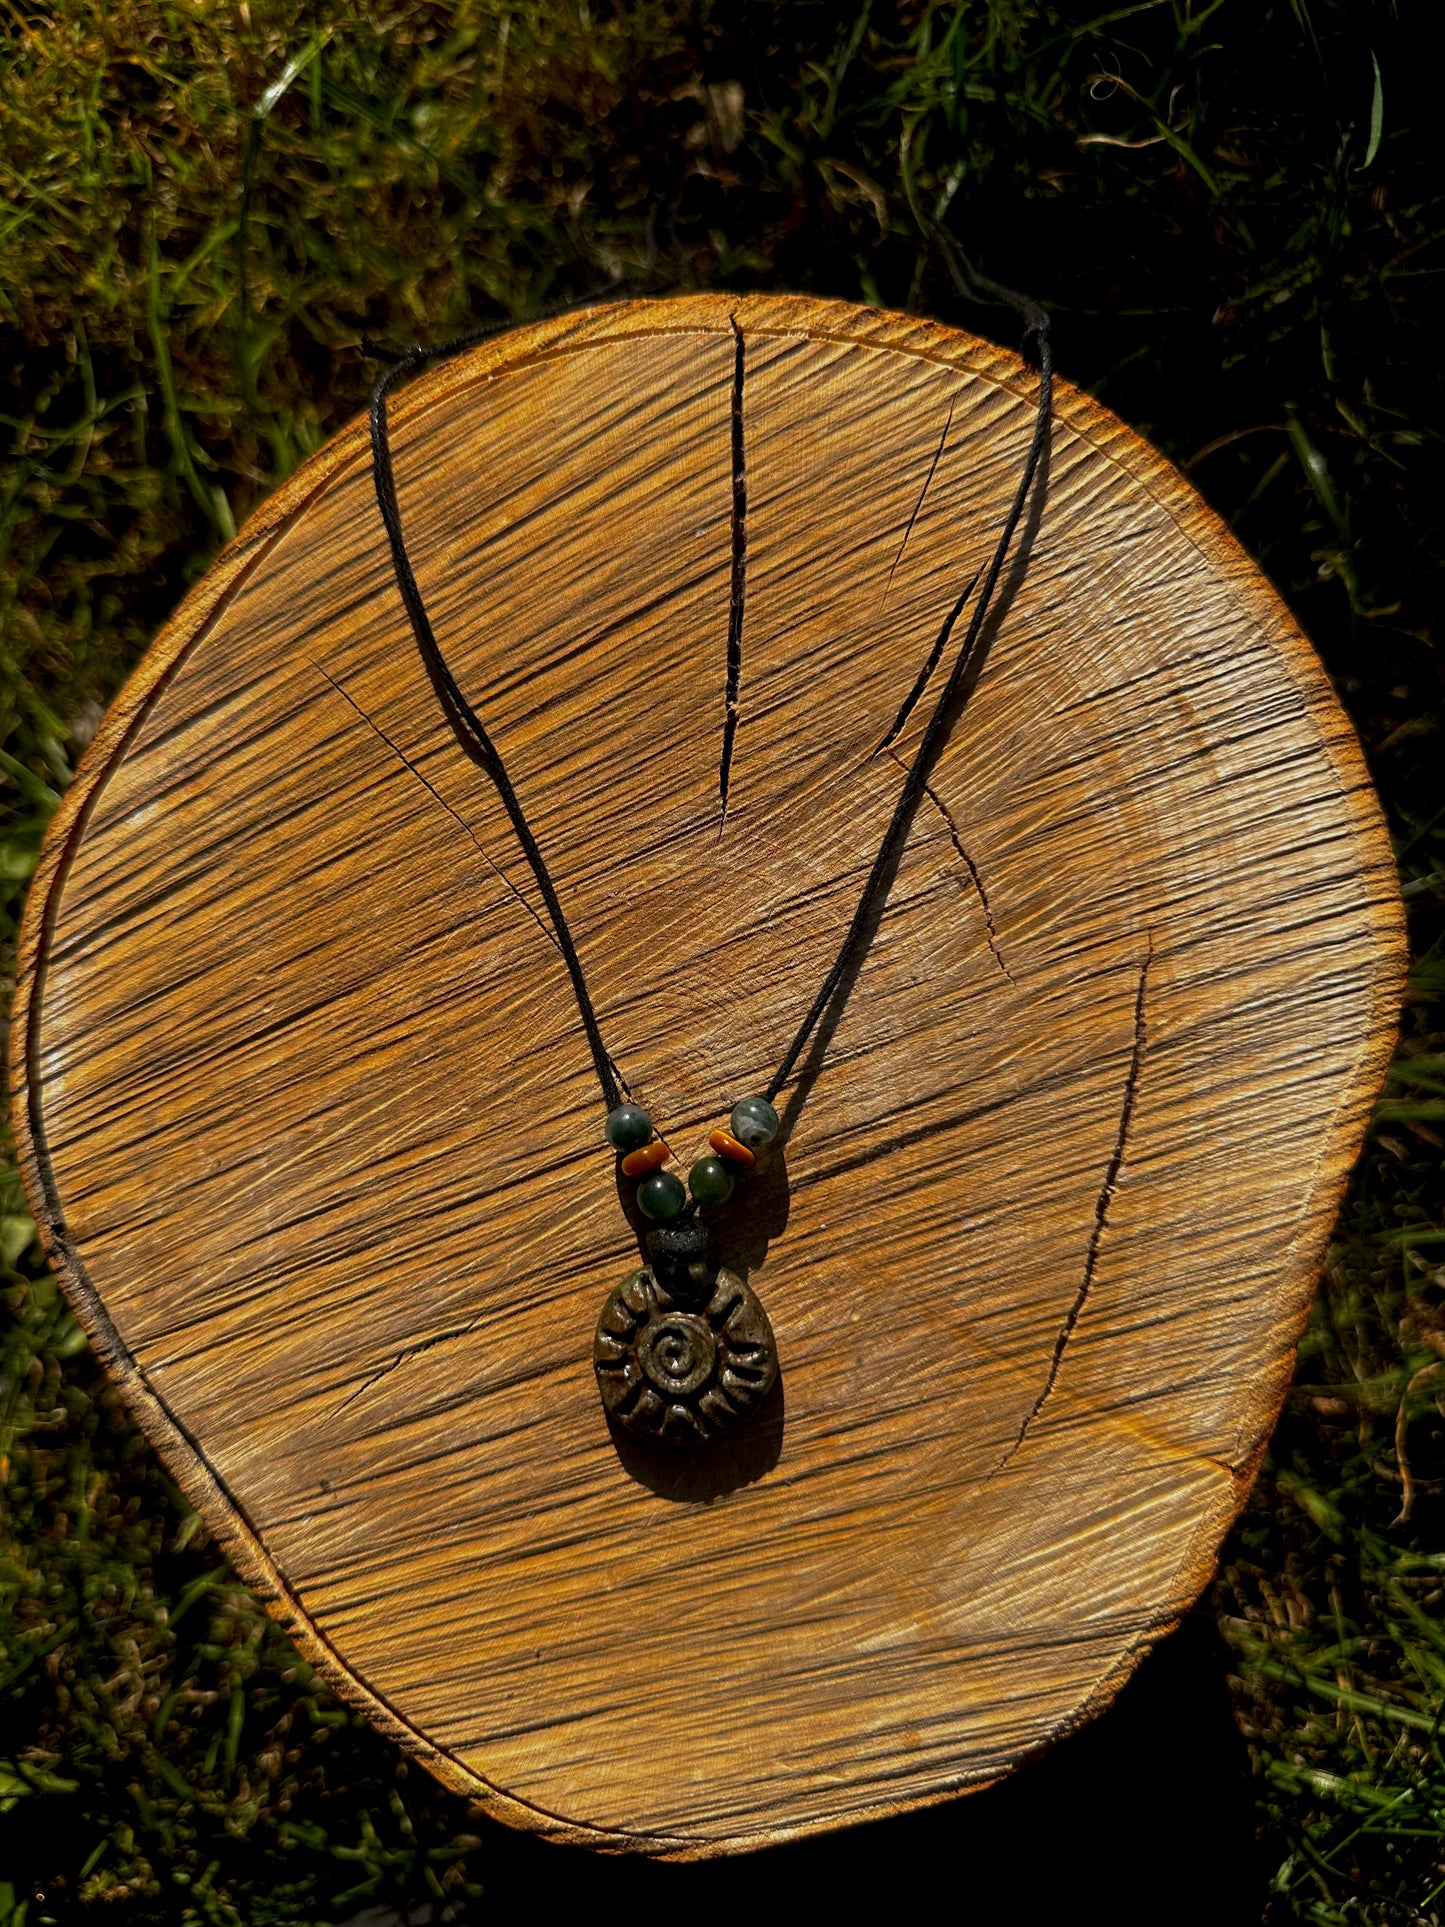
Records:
x=1232, y=209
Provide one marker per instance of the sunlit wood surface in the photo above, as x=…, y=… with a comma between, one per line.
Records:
x=312, y=1130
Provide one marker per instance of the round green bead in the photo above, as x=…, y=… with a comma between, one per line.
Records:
x=710, y=1181
x=660, y=1196
x=628, y=1128
x=754, y=1122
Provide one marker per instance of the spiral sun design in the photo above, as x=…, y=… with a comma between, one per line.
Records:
x=680, y=1374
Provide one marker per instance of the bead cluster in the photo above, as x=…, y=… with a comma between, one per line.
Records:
x=660, y=1196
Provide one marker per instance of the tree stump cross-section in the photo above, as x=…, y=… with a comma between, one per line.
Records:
x=312, y=1133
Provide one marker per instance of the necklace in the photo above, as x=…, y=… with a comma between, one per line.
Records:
x=683, y=1349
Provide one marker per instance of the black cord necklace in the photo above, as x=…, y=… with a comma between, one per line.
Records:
x=683, y=1348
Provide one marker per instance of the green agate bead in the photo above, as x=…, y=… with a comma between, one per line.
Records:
x=754, y=1122
x=628, y=1128
x=710, y=1181
x=660, y=1197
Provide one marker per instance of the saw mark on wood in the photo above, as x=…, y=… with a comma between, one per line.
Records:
x=968, y=863
x=738, y=599
x=1101, y=1207
x=918, y=505
x=402, y=757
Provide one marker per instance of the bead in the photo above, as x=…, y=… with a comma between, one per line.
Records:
x=650, y=1158
x=727, y=1146
x=628, y=1127
x=710, y=1181
x=682, y=1260
x=660, y=1196
x=754, y=1122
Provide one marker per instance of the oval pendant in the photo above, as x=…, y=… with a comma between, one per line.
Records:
x=684, y=1349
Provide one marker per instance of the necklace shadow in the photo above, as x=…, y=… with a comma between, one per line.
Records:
x=703, y=1474
x=855, y=953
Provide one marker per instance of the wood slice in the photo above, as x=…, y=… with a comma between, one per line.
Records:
x=311, y=1129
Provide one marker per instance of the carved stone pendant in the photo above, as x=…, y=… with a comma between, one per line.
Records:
x=683, y=1348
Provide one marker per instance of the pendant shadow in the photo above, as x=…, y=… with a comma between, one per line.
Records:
x=699, y=1475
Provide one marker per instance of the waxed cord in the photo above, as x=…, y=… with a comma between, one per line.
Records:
x=474, y=737
x=466, y=724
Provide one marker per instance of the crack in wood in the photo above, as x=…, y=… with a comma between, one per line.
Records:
x=968, y=863
x=918, y=505
x=404, y=1357
x=921, y=680
x=489, y=860
x=402, y=757
x=1101, y=1207
x=738, y=598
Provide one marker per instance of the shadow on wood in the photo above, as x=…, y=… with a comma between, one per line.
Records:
x=740, y=1458
x=1143, y=1817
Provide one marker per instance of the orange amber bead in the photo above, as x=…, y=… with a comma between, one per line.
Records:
x=727, y=1146
x=650, y=1158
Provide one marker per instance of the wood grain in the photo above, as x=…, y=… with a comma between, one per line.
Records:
x=311, y=1130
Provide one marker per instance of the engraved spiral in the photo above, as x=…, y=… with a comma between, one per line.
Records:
x=681, y=1373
